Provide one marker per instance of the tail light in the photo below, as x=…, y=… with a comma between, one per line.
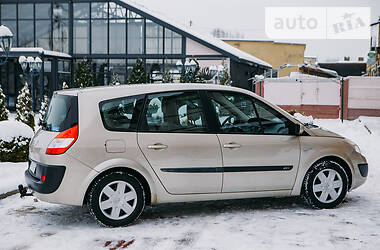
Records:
x=63, y=141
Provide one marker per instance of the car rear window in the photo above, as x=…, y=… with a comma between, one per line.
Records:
x=62, y=113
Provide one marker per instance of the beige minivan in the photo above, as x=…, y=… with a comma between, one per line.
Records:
x=118, y=149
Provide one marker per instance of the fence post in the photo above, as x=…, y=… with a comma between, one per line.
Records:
x=344, y=99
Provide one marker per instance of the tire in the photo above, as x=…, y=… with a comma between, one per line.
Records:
x=325, y=185
x=116, y=199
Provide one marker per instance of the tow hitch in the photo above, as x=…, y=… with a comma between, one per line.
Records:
x=23, y=191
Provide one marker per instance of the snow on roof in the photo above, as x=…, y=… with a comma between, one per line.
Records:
x=40, y=51
x=241, y=55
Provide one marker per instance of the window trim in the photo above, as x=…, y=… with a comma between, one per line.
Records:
x=138, y=98
x=254, y=100
x=208, y=130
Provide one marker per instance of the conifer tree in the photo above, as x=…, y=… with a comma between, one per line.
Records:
x=4, y=113
x=138, y=73
x=166, y=76
x=43, y=110
x=83, y=76
x=225, y=77
x=24, y=108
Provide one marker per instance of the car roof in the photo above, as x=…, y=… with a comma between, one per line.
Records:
x=135, y=89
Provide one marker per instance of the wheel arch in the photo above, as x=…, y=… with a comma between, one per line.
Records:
x=338, y=160
x=127, y=170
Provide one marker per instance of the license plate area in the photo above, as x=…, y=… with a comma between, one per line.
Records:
x=32, y=167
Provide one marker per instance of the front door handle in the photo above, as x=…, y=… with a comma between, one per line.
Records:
x=157, y=146
x=232, y=145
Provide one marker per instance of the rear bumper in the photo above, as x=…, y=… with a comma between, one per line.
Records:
x=46, y=179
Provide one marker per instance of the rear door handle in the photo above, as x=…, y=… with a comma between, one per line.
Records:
x=157, y=146
x=232, y=145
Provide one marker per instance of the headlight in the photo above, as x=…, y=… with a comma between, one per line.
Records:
x=355, y=146
x=357, y=149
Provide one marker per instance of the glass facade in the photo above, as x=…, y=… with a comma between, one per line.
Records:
x=110, y=36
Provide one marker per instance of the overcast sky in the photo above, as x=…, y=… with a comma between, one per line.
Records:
x=247, y=17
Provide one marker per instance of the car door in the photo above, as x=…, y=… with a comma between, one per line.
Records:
x=175, y=139
x=260, y=152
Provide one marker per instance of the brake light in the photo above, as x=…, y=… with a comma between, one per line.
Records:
x=63, y=141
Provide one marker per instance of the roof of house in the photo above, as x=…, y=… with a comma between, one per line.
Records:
x=208, y=40
x=260, y=40
x=40, y=51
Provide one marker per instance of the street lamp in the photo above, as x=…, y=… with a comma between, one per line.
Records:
x=192, y=66
x=35, y=66
x=6, y=37
x=179, y=66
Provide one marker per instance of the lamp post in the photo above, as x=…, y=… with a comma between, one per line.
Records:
x=35, y=65
x=6, y=37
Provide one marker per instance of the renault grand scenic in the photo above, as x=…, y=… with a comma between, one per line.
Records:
x=118, y=149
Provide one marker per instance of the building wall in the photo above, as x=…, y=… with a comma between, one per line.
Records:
x=361, y=97
x=319, y=97
x=274, y=53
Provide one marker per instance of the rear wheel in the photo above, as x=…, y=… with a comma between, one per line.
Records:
x=116, y=199
x=325, y=185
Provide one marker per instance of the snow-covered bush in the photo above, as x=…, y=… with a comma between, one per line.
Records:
x=43, y=110
x=304, y=119
x=24, y=108
x=4, y=113
x=14, y=141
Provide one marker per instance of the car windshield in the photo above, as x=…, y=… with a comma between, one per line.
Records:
x=62, y=113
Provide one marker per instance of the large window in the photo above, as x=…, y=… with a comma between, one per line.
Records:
x=175, y=112
x=99, y=28
x=117, y=33
x=135, y=36
x=173, y=42
x=154, y=38
x=81, y=31
x=25, y=25
x=43, y=25
x=60, y=27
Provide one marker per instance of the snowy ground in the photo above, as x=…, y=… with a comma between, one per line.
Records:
x=241, y=224
x=11, y=175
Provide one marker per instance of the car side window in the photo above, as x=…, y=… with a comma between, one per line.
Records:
x=272, y=121
x=121, y=114
x=235, y=112
x=174, y=112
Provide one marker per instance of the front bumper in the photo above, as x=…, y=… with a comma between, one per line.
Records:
x=45, y=179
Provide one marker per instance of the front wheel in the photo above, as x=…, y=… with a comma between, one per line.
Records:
x=116, y=199
x=325, y=185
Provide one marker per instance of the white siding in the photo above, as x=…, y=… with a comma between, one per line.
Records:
x=364, y=93
x=195, y=48
x=295, y=92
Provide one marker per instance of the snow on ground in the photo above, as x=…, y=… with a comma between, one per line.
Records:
x=11, y=175
x=240, y=224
